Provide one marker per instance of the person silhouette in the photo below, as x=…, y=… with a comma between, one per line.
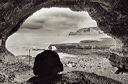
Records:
x=47, y=65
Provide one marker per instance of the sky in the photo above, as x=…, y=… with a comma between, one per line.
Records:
x=57, y=21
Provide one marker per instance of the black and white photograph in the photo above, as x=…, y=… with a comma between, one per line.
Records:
x=63, y=41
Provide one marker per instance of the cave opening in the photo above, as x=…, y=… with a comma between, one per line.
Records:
x=111, y=17
x=51, y=26
x=80, y=44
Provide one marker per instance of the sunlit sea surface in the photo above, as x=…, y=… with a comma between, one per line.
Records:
x=20, y=43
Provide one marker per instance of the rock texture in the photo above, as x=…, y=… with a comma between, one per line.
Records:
x=111, y=16
x=120, y=62
x=84, y=31
x=77, y=77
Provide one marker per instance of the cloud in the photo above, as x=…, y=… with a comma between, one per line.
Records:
x=58, y=20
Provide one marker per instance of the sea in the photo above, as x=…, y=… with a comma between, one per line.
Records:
x=25, y=43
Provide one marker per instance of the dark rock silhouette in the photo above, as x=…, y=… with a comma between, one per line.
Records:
x=47, y=65
x=77, y=77
x=121, y=70
x=119, y=62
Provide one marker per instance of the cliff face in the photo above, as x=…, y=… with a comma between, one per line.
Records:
x=111, y=16
x=84, y=31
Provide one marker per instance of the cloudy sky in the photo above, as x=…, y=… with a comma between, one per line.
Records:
x=54, y=21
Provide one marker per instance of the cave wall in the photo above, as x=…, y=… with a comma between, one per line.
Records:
x=110, y=15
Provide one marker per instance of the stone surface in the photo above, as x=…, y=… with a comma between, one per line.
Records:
x=77, y=77
x=120, y=62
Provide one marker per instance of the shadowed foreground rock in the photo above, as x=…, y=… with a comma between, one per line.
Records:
x=120, y=62
x=77, y=77
x=111, y=17
x=47, y=65
x=9, y=73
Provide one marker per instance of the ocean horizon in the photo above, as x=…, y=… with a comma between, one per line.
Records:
x=21, y=43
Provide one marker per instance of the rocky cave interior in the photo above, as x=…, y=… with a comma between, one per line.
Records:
x=111, y=17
